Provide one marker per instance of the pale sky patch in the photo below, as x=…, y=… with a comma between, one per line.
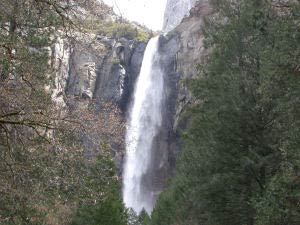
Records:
x=146, y=12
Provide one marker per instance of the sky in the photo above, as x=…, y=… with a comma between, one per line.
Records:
x=146, y=12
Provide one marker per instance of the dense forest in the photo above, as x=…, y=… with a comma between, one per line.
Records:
x=45, y=176
x=240, y=162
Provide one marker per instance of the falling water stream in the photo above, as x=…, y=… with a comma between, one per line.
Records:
x=143, y=124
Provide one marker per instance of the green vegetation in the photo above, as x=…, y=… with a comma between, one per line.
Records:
x=45, y=174
x=126, y=30
x=240, y=163
x=110, y=209
x=119, y=30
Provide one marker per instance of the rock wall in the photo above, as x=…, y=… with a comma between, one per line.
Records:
x=103, y=69
x=192, y=52
x=100, y=70
x=182, y=51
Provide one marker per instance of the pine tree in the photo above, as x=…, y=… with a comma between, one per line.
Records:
x=42, y=162
x=240, y=160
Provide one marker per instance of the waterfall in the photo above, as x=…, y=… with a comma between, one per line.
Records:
x=143, y=124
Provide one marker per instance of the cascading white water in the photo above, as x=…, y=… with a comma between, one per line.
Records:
x=144, y=121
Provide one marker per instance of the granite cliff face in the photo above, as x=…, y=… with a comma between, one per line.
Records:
x=181, y=51
x=191, y=51
x=96, y=69
x=99, y=68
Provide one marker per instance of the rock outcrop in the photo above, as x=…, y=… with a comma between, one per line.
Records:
x=182, y=51
x=102, y=68
x=96, y=69
x=191, y=51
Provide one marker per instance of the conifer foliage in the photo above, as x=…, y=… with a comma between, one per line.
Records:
x=44, y=172
x=240, y=163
